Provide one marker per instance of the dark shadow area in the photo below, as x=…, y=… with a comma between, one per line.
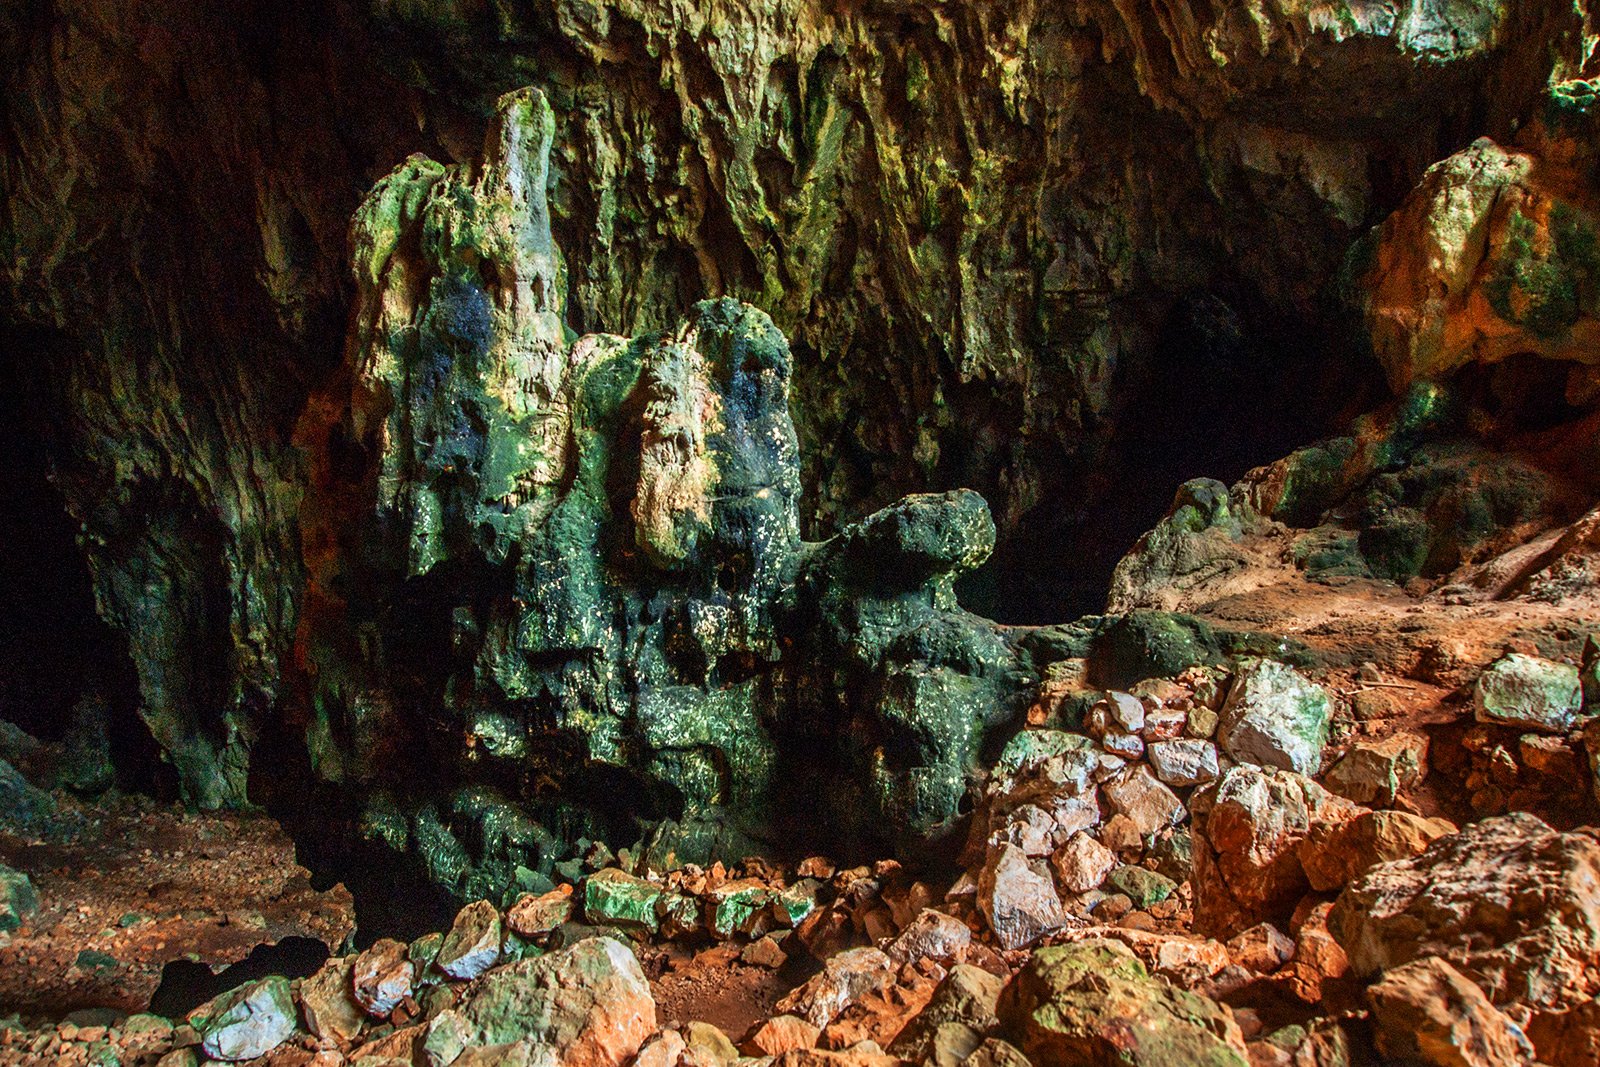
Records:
x=185, y=985
x=1227, y=388
x=65, y=676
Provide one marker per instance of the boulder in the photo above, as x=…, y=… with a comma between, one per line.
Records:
x=246, y=1022
x=1374, y=772
x=1529, y=693
x=1334, y=854
x=1248, y=828
x=780, y=1034
x=1428, y=1012
x=1093, y=1004
x=536, y=915
x=739, y=906
x=590, y=1003
x=706, y=1046
x=613, y=897
x=381, y=977
x=326, y=1004
x=1511, y=903
x=1275, y=717
x=931, y=935
x=845, y=978
x=962, y=1008
x=473, y=944
x=1020, y=904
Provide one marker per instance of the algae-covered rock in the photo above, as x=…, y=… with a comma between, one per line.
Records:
x=1093, y=1004
x=605, y=534
x=1530, y=693
x=1275, y=717
x=18, y=899
x=616, y=898
x=590, y=1004
x=247, y=1022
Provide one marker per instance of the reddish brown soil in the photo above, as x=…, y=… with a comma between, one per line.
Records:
x=139, y=886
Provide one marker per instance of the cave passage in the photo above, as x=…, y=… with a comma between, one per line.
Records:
x=65, y=675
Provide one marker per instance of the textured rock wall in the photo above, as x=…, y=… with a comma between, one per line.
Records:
x=1065, y=255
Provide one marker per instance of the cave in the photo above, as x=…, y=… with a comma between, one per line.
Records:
x=984, y=534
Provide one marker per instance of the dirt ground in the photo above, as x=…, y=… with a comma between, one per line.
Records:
x=136, y=886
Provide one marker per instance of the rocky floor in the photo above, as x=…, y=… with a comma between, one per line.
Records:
x=126, y=889
x=1367, y=847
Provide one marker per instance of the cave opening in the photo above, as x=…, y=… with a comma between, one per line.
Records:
x=66, y=677
x=1230, y=384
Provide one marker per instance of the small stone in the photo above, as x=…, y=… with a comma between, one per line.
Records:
x=1428, y=1012
x=780, y=1034
x=1173, y=853
x=382, y=977
x=1019, y=904
x=764, y=952
x=1275, y=717
x=931, y=935
x=1374, y=772
x=1121, y=835
x=706, y=1046
x=247, y=1022
x=1125, y=712
x=1530, y=693
x=1263, y=948
x=1203, y=722
x=1184, y=763
x=1030, y=828
x=473, y=944
x=665, y=1049
x=534, y=916
x=1128, y=746
x=1137, y=794
x=1143, y=887
x=1164, y=724
x=1083, y=863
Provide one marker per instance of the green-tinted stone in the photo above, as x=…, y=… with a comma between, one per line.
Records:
x=736, y=907
x=1142, y=886
x=250, y=1021
x=18, y=899
x=1529, y=693
x=1093, y=1004
x=616, y=898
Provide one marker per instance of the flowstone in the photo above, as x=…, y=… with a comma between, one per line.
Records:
x=566, y=575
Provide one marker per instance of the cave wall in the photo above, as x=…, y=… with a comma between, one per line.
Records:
x=1066, y=255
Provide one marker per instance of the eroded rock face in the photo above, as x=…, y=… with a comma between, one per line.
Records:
x=1112, y=255
x=605, y=536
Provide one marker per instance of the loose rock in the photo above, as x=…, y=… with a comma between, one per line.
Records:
x=1275, y=717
